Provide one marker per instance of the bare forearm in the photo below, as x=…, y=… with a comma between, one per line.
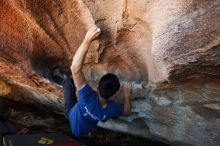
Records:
x=127, y=106
x=127, y=103
x=79, y=57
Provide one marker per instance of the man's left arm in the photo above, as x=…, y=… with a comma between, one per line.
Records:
x=126, y=109
x=79, y=57
x=127, y=103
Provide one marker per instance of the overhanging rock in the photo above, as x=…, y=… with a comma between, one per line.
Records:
x=169, y=50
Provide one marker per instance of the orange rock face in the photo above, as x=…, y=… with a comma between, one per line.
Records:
x=169, y=50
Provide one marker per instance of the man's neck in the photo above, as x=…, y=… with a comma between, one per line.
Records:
x=102, y=102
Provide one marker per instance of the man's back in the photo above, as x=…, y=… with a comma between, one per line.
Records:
x=86, y=113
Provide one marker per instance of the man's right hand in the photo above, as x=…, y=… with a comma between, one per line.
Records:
x=92, y=33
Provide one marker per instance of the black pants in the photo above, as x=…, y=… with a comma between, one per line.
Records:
x=70, y=98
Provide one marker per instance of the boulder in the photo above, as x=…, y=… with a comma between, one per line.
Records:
x=169, y=50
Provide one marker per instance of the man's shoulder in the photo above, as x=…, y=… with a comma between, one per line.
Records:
x=87, y=89
x=112, y=104
x=87, y=95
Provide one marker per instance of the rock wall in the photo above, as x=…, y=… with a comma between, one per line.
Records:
x=169, y=50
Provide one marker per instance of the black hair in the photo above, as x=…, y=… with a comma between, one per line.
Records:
x=108, y=85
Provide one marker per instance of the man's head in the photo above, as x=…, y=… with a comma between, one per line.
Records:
x=108, y=85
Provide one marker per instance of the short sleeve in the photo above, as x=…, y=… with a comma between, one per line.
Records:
x=86, y=94
x=116, y=110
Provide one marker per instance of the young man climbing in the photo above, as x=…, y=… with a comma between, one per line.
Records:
x=91, y=106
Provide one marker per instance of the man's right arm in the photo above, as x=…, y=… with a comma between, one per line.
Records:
x=127, y=103
x=79, y=57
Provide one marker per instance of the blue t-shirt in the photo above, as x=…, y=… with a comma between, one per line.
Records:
x=86, y=113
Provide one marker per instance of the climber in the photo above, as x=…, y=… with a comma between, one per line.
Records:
x=92, y=106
